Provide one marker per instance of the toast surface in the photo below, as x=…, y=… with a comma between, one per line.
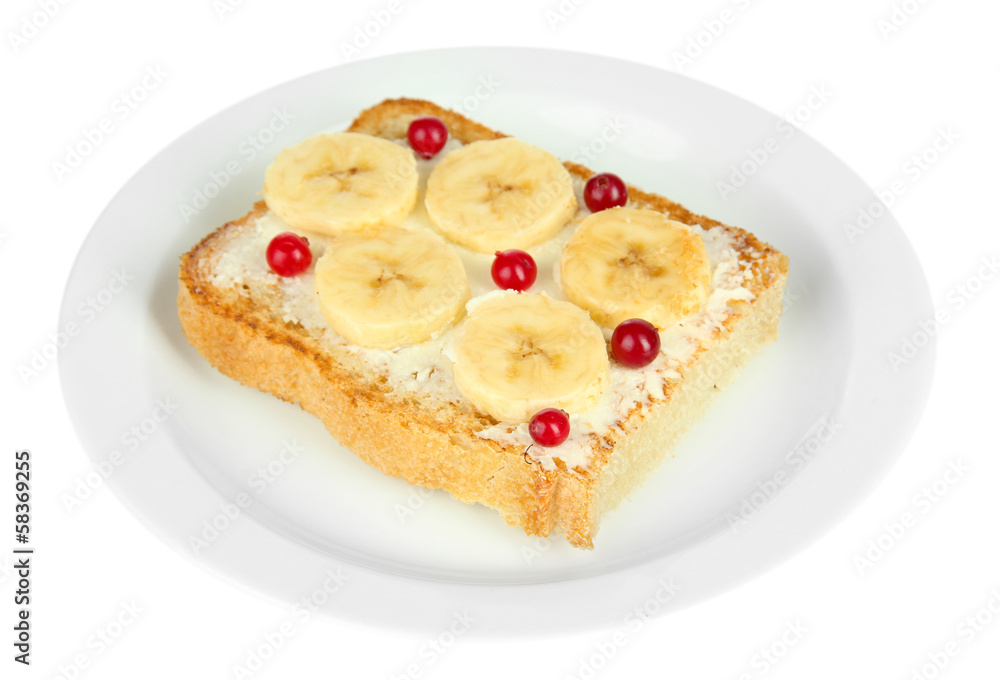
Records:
x=262, y=332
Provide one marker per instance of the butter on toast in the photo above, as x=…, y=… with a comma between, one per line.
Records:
x=399, y=410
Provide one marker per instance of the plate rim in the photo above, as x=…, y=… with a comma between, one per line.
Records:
x=915, y=412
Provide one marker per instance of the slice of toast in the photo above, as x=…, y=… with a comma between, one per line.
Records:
x=396, y=408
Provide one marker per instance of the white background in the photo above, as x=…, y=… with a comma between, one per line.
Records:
x=891, y=93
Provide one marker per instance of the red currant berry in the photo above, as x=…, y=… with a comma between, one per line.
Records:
x=604, y=191
x=288, y=254
x=514, y=270
x=549, y=427
x=427, y=136
x=635, y=343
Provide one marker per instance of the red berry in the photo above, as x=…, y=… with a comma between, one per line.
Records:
x=514, y=270
x=604, y=191
x=288, y=254
x=549, y=427
x=635, y=343
x=427, y=135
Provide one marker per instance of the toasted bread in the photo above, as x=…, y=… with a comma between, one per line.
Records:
x=247, y=327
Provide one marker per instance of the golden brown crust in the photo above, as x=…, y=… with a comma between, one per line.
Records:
x=391, y=118
x=236, y=333
x=434, y=445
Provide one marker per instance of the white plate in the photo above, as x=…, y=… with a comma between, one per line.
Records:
x=818, y=418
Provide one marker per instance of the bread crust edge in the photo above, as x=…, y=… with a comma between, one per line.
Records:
x=403, y=440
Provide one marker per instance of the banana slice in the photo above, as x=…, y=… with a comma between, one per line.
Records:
x=625, y=262
x=391, y=288
x=334, y=183
x=498, y=194
x=518, y=353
